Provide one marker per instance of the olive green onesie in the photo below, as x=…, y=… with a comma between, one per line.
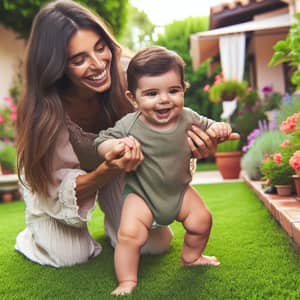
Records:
x=163, y=176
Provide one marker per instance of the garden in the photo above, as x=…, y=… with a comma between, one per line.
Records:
x=258, y=259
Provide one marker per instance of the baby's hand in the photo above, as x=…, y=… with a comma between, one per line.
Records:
x=128, y=142
x=219, y=131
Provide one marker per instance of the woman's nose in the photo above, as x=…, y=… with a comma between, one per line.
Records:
x=97, y=63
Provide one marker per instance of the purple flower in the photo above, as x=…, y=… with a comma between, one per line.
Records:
x=248, y=108
x=267, y=89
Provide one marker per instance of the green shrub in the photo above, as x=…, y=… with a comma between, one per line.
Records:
x=288, y=51
x=8, y=157
x=247, y=116
x=267, y=143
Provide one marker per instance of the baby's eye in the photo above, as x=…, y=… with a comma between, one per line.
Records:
x=174, y=91
x=151, y=93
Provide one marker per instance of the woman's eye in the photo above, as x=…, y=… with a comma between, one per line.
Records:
x=100, y=48
x=77, y=61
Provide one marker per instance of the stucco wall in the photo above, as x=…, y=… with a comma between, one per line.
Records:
x=266, y=75
x=11, y=52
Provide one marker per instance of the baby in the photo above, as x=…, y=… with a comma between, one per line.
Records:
x=158, y=192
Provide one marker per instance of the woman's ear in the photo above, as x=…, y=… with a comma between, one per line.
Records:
x=131, y=98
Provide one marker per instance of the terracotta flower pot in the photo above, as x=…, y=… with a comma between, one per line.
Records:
x=283, y=189
x=229, y=164
x=297, y=186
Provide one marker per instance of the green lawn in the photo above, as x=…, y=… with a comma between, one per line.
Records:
x=258, y=259
x=206, y=166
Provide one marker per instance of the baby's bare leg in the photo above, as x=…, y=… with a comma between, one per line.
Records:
x=197, y=221
x=136, y=220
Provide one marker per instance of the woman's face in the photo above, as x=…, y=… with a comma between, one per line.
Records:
x=89, y=61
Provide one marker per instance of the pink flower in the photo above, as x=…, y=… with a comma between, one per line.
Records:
x=290, y=124
x=268, y=182
x=295, y=161
x=285, y=144
x=218, y=80
x=1, y=119
x=8, y=99
x=13, y=107
x=206, y=88
x=13, y=116
x=277, y=157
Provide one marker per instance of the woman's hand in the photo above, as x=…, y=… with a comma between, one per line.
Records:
x=204, y=143
x=201, y=144
x=125, y=155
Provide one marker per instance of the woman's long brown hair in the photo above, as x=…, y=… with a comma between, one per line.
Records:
x=40, y=111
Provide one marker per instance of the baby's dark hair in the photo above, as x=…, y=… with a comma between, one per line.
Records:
x=153, y=61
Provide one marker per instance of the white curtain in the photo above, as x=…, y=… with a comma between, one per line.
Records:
x=232, y=50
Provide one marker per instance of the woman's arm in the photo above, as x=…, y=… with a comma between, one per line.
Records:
x=120, y=156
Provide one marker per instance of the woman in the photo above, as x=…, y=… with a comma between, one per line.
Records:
x=74, y=87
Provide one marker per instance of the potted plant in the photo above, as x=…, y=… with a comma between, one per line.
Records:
x=291, y=126
x=227, y=90
x=278, y=173
x=228, y=159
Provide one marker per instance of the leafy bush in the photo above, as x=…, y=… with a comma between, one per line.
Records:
x=266, y=143
x=247, y=116
x=19, y=14
x=289, y=107
x=8, y=156
x=288, y=51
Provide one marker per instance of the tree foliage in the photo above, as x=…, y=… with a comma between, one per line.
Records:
x=139, y=30
x=177, y=37
x=18, y=14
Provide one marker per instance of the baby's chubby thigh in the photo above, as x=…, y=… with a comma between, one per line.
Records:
x=194, y=215
x=136, y=220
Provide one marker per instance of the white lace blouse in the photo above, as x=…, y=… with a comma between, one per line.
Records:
x=56, y=232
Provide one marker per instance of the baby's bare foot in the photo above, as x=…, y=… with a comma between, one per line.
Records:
x=124, y=288
x=203, y=260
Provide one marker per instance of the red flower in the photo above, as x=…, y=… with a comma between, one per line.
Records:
x=277, y=157
x=295, y=161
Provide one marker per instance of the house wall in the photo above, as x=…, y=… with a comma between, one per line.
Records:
x=266, y=75
x=11, y=52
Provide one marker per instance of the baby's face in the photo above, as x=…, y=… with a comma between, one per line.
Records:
x=160, y=99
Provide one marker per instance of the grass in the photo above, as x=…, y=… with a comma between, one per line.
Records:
x=206, y=166
x=258, y=258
